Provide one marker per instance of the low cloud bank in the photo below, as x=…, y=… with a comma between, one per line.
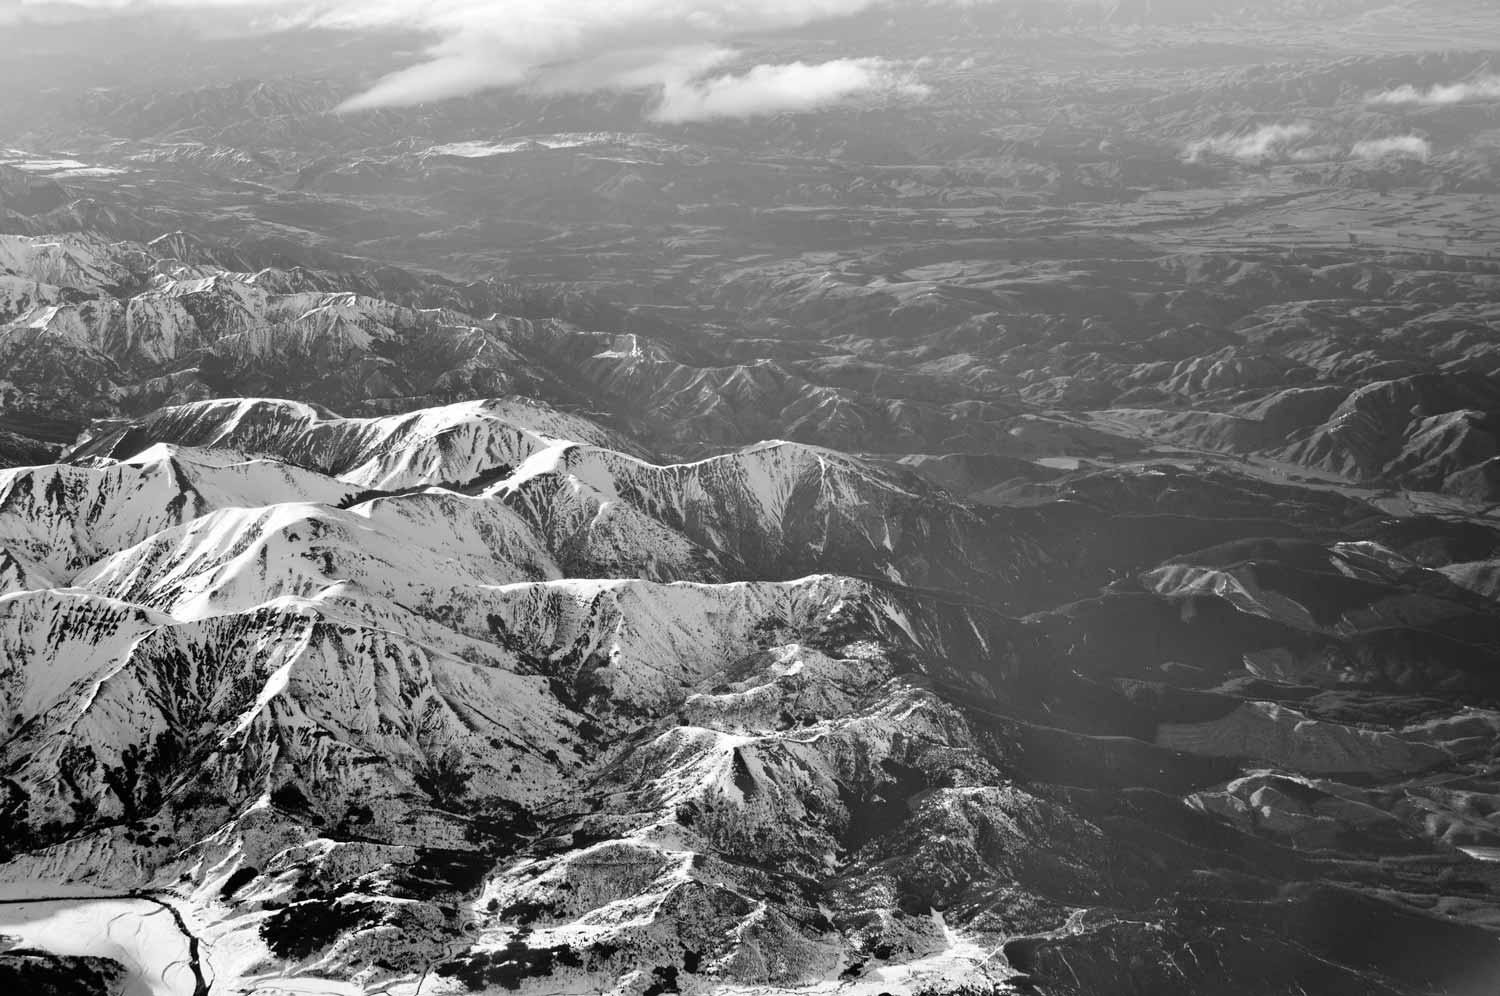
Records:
x=1267, y=142
x=1399, y=147
x=1298, y=143
x=1482, y=89
x=775, y=89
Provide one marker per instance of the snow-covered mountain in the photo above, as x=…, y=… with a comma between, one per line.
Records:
x=482, y=692
x=280, y=631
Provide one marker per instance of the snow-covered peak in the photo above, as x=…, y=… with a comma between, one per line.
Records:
x=83, y=262
x=454, y=444
x=63, y=517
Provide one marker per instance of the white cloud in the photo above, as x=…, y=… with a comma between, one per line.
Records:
x=774, y=89
x=1317, y=153
x=1484, y=88
x=1267, y=142
x=1398, y=147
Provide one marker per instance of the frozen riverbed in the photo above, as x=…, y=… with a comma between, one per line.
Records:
x=141, y=934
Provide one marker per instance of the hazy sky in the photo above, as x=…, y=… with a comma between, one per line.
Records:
x=681, y=48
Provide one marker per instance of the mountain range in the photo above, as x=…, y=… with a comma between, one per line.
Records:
x=1040, y=538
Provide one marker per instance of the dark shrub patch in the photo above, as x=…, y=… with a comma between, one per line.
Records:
x=663, y=980
x=526, y=913
x=445, y=779
x=501, y=828
x=303, y=929
x=290, y=797
x=510, y=967
x=36, y=973
x=237, y=881
x=440, y=870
